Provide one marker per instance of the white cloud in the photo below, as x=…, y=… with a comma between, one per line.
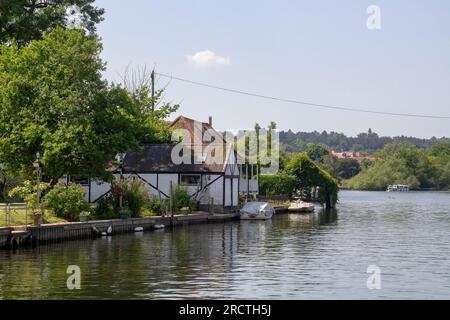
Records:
x=207, y=58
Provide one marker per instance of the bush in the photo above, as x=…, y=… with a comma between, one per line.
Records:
x=158, y=207
x=104, y=210
x=28, y=192
x=277, y=184
x=134, y=200
x=66, y=201
x=135, y=197
x=182, y=199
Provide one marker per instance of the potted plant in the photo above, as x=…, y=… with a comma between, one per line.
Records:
x=85, y=216
x=124, y=214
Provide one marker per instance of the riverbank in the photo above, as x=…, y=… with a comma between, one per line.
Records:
x=14, y=237
x=25, y=236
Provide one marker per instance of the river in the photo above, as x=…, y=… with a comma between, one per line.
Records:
x=324, y=255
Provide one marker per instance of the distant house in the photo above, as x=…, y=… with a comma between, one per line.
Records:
x=358, y=156
x=209, y=183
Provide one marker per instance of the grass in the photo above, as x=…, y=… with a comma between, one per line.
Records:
x=19, y=217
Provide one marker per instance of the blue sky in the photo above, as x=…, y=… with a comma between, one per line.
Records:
x=317, y=51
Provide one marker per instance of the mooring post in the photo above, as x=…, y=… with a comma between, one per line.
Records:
x=171, y=204
x=211, y=205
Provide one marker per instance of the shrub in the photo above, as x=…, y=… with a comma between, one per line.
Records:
x=134, y=199
x=28, y=192
x=157, y=206
x=104, y=210
x=66, y=201
x=277, y=184
x=182, y=199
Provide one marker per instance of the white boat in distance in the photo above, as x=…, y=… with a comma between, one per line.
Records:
x=257, y=211
x=398, y=188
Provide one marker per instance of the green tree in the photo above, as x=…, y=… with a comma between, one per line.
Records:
x=22, y=21
x=317, y=152
x=53, y=100
x=310, y=176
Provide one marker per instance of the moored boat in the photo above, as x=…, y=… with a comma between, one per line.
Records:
x=257, y=211
x=397, y=188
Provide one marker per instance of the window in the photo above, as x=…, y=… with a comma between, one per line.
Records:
x=190, y=179
x=80, y=181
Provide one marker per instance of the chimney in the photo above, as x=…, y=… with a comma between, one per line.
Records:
x=210, y=121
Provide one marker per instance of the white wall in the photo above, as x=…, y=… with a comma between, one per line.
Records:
x=164, y=182
x=215, y=190
x=98, y=189
x=152, y=179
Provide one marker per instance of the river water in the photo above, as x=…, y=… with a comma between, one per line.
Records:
x=324, y=255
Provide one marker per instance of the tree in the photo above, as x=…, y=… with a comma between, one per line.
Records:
x=53, y=100
x=310, y=176
x=22, y=21
x=317, y=152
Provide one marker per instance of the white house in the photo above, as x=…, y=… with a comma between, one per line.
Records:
x=209, y=183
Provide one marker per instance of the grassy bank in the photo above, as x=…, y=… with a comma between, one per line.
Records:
x=19, y=217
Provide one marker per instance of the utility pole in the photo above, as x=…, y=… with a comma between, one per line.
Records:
x=153, y=90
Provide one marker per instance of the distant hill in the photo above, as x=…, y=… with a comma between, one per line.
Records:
x=366, y=142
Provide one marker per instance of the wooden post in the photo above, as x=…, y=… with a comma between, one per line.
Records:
x=211, y=205
x=163, y=211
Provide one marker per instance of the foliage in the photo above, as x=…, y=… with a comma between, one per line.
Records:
x=28, y=192
x=309, y=175
x=277, y=184
x=158, y=206
x=404, y=163
x=133, y=195
x=66, y=201
x=316, y=152
x=22, y=21
x=182, y=199
x=53, y=100
x=104, y=210
x=366, y=141
x=341, y=169
x=8, y=181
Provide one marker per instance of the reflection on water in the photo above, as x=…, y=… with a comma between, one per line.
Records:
x=293, y=256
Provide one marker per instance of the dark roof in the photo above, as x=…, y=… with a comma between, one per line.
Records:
x=157, y=158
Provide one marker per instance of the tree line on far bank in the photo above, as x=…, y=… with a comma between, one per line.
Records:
x=366, y=141
x=396, y=163
x=404, y=163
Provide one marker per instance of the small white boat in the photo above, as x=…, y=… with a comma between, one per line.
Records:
x=398, y=188
x=257, y=211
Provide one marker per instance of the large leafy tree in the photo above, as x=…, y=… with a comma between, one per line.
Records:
x=310, y=176
x=53, y=101
x=22, y=21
